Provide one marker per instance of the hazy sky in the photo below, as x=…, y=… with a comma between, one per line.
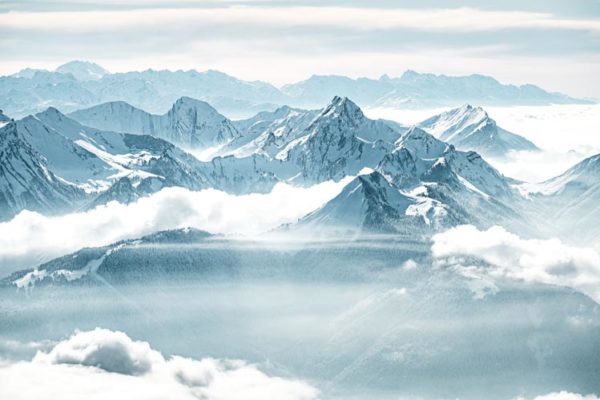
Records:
x=555, y=44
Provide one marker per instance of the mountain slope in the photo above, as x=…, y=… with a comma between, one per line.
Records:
x=370, y=204
x=568, y=205
x=269, y=131
x=195, y=124
x=573, y=182
x=87, y=263
x=421, y=186
x=462, y=181
x=63, y=155
x=98, y=161
x=470, y=128
x=135, y=156
x=117, y=116
x=25, y=180
x=190, y=123
x=339, y=142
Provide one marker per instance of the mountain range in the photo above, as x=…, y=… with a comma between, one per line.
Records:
x=79, y=84
x=409, y=180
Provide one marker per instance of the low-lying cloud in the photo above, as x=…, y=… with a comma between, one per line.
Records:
x=104, y=364
x=31, y=238
x=509, y=256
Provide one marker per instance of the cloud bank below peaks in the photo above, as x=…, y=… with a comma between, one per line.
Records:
x=31, y=238
x=509, y=256
x=104, y=364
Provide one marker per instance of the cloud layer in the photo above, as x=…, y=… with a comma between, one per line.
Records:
x=457, y=19
x=531, y=260
x=102, y=364
x=31, y=237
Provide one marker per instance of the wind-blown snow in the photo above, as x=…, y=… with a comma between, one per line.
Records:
x=31, y=237
x=101, y=364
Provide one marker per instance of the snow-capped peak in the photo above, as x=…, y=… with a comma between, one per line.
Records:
x=451, y=124
x=343, y=107
x=83, y=70
x=422, y=144
x=196, y=124
x=52, y=112
x=201, y=110
x=471, y=128
x=188, y=102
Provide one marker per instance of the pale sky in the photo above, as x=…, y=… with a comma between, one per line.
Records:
x=555, y=44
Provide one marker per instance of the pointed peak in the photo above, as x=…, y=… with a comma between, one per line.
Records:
x=343, y=101
x=83, y=70
x=343, y=106
x=117, y=103
x=189, y=102
x=51, y=111
x=469, y=109
x=282, y=110
x=464, y=114
x=421, y=143
x=372, y=178
x=410, y=74
x=80, y=63
x=192, y=109
x=415, y=132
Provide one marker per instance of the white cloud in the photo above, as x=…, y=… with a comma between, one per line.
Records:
x=458, y=19
x=104, y=349
x=564, y=396
x=564, y=132
x=32, y=237
x=531, y=260
x=103, y=364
